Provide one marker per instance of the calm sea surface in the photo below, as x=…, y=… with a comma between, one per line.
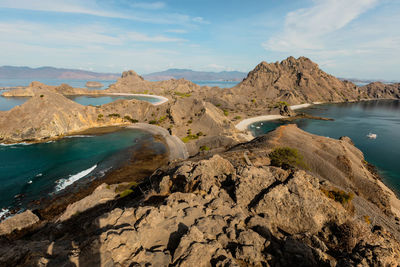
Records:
x=357, y=120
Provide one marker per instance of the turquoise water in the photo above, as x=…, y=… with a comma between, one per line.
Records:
x=54, y=82
x=7, y=103
x=101, y=100
x=357, y=120
x=38, y=170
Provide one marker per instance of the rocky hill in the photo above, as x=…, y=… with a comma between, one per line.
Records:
x=378, y=90
x=240, y=207
x=296, y=81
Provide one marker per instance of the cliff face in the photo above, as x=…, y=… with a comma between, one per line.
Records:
x=296, y=81
x=231, y=209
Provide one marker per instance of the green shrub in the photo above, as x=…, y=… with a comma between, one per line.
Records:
x=182, y=94
x=129, y=118
x=226, y=113
x=100, y=116
x=253, y=101
x=237, y=117
x=286, y=158
x=218, y=105
x=339, y=196
x=281, y=104
x=41, y=95
x=125, y=193
x=153, y=122
x=190, y=137
x=204, y=148
x=114, y=115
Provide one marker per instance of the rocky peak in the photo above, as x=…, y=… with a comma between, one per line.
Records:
x=131, y=74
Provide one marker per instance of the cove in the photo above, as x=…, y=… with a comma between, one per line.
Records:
x=101, y=100
x=31, y=171
x=357, y=120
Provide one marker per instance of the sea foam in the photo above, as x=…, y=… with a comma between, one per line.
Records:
x=63, y=183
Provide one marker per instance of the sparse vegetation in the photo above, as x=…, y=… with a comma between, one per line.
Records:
x=339, y=196
x=367, y=219
x=182, y=94
x=281, y=104
x=286, y=158
x=129, y=118
x=125, y=193
x=116, y=115
x=191, y=136
x=204, y=148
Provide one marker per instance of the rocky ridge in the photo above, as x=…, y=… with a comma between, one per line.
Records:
x=224, y=210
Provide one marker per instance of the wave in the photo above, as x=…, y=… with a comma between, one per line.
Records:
x=4, y=214
x=80, y=136
x=63, y=183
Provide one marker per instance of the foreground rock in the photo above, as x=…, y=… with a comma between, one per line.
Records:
x=233, y=209
x=18, y=222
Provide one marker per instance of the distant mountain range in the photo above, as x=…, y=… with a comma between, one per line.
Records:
x=196, y=75
x=11, y=72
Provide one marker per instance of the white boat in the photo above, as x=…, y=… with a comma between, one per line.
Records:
x=372, y=136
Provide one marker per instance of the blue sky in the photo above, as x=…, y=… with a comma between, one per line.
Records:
x=358, y=38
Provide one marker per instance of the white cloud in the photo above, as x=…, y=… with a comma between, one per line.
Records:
x=145, y=5
x=306, y=28
x=83, y=36
x=200, y=20
x=92, y=7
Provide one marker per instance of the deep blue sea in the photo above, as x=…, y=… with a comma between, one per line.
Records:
x=357, y=120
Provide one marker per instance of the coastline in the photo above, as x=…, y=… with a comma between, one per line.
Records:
x=177, y=149
x=161, y=98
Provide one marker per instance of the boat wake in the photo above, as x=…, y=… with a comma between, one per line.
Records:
x=64, y=183
x=372, y=136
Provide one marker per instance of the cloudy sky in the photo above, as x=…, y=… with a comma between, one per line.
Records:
x=357, y=38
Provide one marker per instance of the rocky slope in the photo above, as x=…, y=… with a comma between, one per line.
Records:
x=49, y=115
x=230, y=209
x=378, y=90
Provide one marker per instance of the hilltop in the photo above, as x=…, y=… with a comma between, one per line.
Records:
x=13, y=72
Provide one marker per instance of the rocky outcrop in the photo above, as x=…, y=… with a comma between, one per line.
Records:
x=378, y=90
x=131, y=82
x=18, y=222
x=230, y=209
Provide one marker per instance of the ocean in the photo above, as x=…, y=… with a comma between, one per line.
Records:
x=357, y=120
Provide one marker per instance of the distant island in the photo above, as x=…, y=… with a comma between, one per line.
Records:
x=13, y=72
x=192, y=75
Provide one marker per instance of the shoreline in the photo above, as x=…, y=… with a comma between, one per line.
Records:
x=161, y=98
x=244, y=124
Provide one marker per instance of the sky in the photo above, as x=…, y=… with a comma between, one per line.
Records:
x=351, y=39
